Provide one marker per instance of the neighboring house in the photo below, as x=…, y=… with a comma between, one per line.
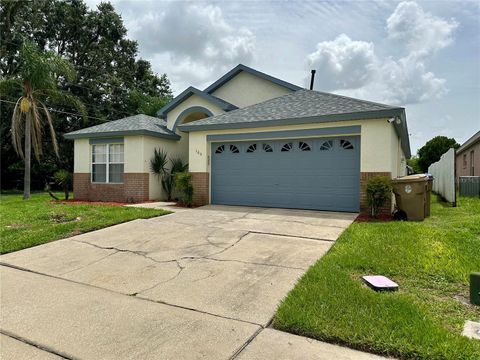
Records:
x=468, y=157
x=250, y=139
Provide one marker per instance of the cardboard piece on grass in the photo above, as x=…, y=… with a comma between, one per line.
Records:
x=380, y=283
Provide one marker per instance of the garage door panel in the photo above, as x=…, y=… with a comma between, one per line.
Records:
x=318, y=174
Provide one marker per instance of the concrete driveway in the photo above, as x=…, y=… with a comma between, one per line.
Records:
x=200, y=283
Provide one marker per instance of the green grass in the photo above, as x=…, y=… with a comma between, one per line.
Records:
x=39, y=220
x=430, y=260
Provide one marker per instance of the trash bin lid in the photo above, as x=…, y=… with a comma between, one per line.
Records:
x=411, y=178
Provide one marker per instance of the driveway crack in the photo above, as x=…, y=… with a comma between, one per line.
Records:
x=180, y=269
x=256, y=263
x=296, y=221
x=228, y=247
x=293, y=236
x=139, y=253
x=37, y=345
x=246, y=343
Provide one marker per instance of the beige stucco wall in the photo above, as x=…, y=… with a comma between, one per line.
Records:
x=379, y=149
x=133, y=156
x=399, y=162
x=173, y=148
x=138, y=151
x=242, y=90
x=246, y=89
x=81, y=156
x=193, y=100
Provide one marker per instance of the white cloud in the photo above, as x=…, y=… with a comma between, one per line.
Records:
x=407, y=81
x=352, y=67
x=196, y=39
x=422, y=32
x=343, y=63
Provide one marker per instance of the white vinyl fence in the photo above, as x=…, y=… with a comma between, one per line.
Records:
x=443, y=172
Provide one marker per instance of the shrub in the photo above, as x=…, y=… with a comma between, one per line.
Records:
x=168, y=180
x=183, y=182
x=64, y=178
x=158, y=165
x=379, y=190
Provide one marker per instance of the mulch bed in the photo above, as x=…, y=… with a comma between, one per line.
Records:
x=111, y=203
x=380, y=218
x=179, y=205
x=83, y=202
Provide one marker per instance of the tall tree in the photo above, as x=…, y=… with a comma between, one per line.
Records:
x=433, y=150
x=413, y=163
x=38, y=74
x=111, y=81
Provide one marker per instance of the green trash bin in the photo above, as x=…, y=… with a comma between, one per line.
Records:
x=475, y=288
x=411, y=195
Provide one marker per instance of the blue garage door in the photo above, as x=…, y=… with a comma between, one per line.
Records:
x=320, y=174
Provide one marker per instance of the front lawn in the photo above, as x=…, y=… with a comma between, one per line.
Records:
x=431, y=262
x=39, y=220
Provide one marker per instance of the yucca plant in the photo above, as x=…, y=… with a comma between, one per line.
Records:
x=158, y=165
x=178, y=166
x=64, y=178
x=39, y=75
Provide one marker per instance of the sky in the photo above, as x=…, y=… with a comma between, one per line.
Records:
x=424, y=56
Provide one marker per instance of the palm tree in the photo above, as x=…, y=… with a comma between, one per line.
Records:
x=39, y=75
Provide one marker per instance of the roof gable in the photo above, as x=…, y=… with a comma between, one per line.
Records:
x=224, y=105
x=239, y=68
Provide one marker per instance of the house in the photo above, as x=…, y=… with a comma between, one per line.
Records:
x=468, y=157
x=249, y=139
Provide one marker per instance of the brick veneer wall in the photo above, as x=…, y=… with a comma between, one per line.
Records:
x=200, y=182
x=364, y=176
x=133, y=189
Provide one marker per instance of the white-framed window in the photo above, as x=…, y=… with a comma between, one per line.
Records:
x=107, y=163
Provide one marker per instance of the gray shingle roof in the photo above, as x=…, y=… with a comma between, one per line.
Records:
x=302, y=107
x=222, y=104
x=469, y=142
x=133, y=125
x=301, y=104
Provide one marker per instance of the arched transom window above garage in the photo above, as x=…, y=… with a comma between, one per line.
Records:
x=220, y=149
x=345, y=144
x=306, y=146
x=252, y=148
x=326, y=145
x=288, y=146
